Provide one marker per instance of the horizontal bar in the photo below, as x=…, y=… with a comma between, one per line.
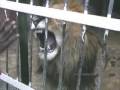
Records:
x=92, y=20
x=14, y=82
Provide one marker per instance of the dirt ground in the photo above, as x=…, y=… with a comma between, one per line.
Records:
x=111, y=75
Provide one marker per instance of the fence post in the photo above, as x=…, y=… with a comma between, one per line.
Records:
x=23, y=27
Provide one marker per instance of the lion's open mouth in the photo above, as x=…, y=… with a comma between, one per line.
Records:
x=51, y=43
x=52, y=48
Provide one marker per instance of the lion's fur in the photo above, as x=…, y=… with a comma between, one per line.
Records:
x=72, y=51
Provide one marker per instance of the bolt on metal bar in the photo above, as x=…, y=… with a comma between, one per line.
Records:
x=82, y=49
x=110, y=9
x=45, y=51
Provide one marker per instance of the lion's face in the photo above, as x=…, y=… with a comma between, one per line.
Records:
x=54, y=38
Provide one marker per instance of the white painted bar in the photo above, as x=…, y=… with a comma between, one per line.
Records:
x=14, y=82
x=92, y=20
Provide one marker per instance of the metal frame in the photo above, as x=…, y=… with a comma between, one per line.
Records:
x=107, y=23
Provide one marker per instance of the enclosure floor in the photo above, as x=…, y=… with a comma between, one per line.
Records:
x=111, y=76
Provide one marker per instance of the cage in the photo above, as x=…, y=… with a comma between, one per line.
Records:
x=20, y=62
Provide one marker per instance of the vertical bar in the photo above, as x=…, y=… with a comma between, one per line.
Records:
x=45, y=51
x=18, y=56
x=18, y=61
x=23, y=27
x=30, y=61
x=60, y=84
x=99, y=71
x=82, y=49
x=106, y=33
x=109, y=14
x=31, y=45
x=82, y=52
x=7, y=66
x=6, y=16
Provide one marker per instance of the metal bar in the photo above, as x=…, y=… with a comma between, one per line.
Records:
x=18, y=58
x=82, y=49
x=18, y=51
x=31, y=48
x=23, y=27
x=105, y=39
x=92, y=20
x=82, y=57
x=60, y=84
x=45, y=55
x=109, y=14
x=7, y=66
x=30, y=61
x=99, y=69
x=14, y=82
x=45, y=51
